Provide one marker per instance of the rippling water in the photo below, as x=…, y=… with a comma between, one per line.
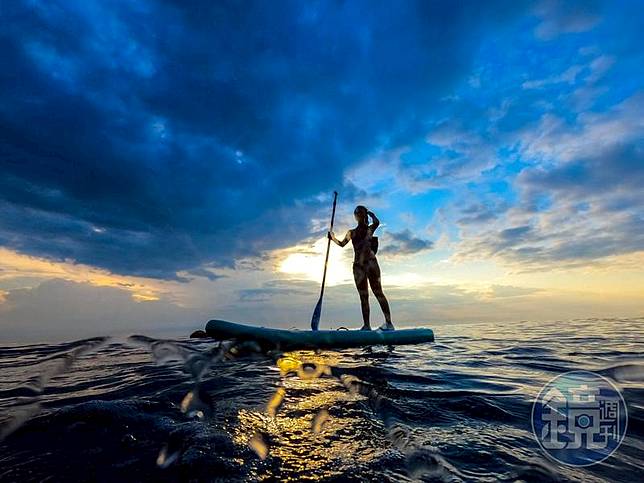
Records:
x=454, y=410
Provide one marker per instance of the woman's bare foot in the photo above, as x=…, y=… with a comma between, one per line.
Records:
x=365, y=327
x=387, y=326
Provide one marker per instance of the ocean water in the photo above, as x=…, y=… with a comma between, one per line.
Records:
x=142, y=409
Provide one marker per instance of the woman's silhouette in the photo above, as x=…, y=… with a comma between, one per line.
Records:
x=365, y=264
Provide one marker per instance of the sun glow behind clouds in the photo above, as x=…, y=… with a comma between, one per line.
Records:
x=308, y=262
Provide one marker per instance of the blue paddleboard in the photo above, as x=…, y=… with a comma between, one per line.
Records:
x=319, y=339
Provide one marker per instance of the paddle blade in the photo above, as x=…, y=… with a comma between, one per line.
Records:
x=315, y=320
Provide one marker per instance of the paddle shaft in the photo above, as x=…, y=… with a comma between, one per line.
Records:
x=315, y=320
x=328, y=243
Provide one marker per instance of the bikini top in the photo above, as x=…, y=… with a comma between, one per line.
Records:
x=365, y=245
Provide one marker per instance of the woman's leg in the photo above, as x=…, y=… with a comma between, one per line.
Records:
x=373, y=274
x=360, y=277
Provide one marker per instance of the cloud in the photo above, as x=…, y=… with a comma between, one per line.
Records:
x=595, y=210
x=617, y=169
x=279, y=288
x=405, y=243
x=579, y=202
x=455, y=151
x=479, y=213
x=571, y=16
x=553, y=139
x=61, y=309
x=534, y=181
x=267, y=293
x=568, y=76
x=202, y=272
x=190, y=141
x=151, y=138
x=507, y=291
x=594, y=189
x=434, y=304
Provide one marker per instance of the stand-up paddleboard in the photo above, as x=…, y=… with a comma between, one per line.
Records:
x=318, y=339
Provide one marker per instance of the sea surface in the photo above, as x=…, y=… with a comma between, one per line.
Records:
x=458, y=409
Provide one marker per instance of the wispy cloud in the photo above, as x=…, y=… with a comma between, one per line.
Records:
x=568, y=76
x=572, y=16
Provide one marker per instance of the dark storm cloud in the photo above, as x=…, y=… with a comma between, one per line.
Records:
x=405, y=243
x=153, y=137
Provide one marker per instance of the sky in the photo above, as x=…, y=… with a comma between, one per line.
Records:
x=167, y=162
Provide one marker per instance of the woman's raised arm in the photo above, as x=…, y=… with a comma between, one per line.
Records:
x=376, y=221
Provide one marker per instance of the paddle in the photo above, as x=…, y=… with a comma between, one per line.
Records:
x=315, y=320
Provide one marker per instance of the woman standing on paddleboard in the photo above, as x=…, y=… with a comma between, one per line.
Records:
x=365, y=265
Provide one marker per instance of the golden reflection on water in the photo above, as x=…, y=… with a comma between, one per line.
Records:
x=299, y=427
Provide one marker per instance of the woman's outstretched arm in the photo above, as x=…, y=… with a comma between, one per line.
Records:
x=342, y=243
